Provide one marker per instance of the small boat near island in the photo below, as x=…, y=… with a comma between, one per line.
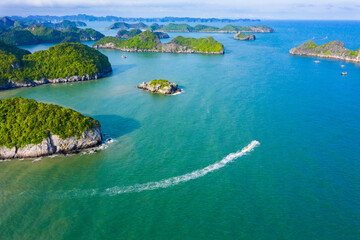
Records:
x=317, y=61
x=342, y=66
x=344, y=73
x=123, y=56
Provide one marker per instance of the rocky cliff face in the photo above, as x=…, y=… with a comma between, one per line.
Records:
x=34, y=83
x=334, y=49
x=53, y=145
x=171, y=88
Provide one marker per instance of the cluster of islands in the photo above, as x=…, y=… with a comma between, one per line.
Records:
x=45, y=129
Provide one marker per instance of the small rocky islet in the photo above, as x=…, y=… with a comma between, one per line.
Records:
x=334, y=49
x=244, y=37
x=31, y=129
x=161, y=86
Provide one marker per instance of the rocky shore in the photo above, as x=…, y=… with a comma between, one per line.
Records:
x=334, y=49
x=160, y=86
x=54, y=145
x=33, y=83
x=161, y=47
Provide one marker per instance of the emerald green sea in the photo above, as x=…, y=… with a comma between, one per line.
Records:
x=301, y=182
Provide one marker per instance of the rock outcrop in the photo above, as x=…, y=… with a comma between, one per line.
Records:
x=334, y=49
x=33, y=83
x=54, y=145
x=160, y=86
x=244, y=37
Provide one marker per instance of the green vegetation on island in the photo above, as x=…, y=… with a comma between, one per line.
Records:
x=244, y=37
x=208, y=44
x=36, y=34
x=153, y=27
x=334, y=49
x=172, y=27
x=125, y=34
x=162, y=82
x=182, y=27
x=7, y=23
x=60, y=61
x=25, y=121
x=145, y=40
x=161, y=86
x=124, y=26
x=149, y=41
x=63, y=25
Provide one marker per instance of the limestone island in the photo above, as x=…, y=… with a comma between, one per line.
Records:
x=148, y=42
x=244, y=37
x=66, y=62
x=37, y=33
x=173, y=27
x=125, y=34
x=334, y=49
x=32, y=129
x=160, y=86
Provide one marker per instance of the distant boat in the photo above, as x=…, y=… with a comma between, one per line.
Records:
x=342, y=66
x=123, y=56
x=316, y=61
x=344, y=73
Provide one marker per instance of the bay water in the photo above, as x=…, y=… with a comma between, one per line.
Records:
x=301, y=182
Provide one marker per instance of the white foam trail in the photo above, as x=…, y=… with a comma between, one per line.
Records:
x=162, y=183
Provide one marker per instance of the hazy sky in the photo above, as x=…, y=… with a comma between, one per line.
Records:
x=264, y=9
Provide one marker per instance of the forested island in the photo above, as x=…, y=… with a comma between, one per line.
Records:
x=66, y=62
x=334, y=49
x=148, y=42
x=125, y=34
x=31, y=129
x=173, y=27
x=244, y=37
x=161, y=86
x=124, y=26
x=20, y=33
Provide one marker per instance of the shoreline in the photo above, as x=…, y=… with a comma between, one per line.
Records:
x=156, y=50
x=34, y=83
x=54, y=145
x=326, y=56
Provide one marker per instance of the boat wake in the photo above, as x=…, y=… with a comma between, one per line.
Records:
x=159, y=184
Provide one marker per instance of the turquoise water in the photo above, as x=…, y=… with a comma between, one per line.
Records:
x=301, y=182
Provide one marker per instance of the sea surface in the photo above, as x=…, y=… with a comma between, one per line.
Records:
x=174, y=170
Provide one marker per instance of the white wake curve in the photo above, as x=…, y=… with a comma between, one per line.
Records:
x=162, y=183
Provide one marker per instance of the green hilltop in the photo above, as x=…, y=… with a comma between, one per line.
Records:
x=208, y=44
x=25, y=121
x=39, y=34
x=149, y=41
x=60, y=61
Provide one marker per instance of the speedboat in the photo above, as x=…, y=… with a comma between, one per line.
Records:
x=344, y=73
